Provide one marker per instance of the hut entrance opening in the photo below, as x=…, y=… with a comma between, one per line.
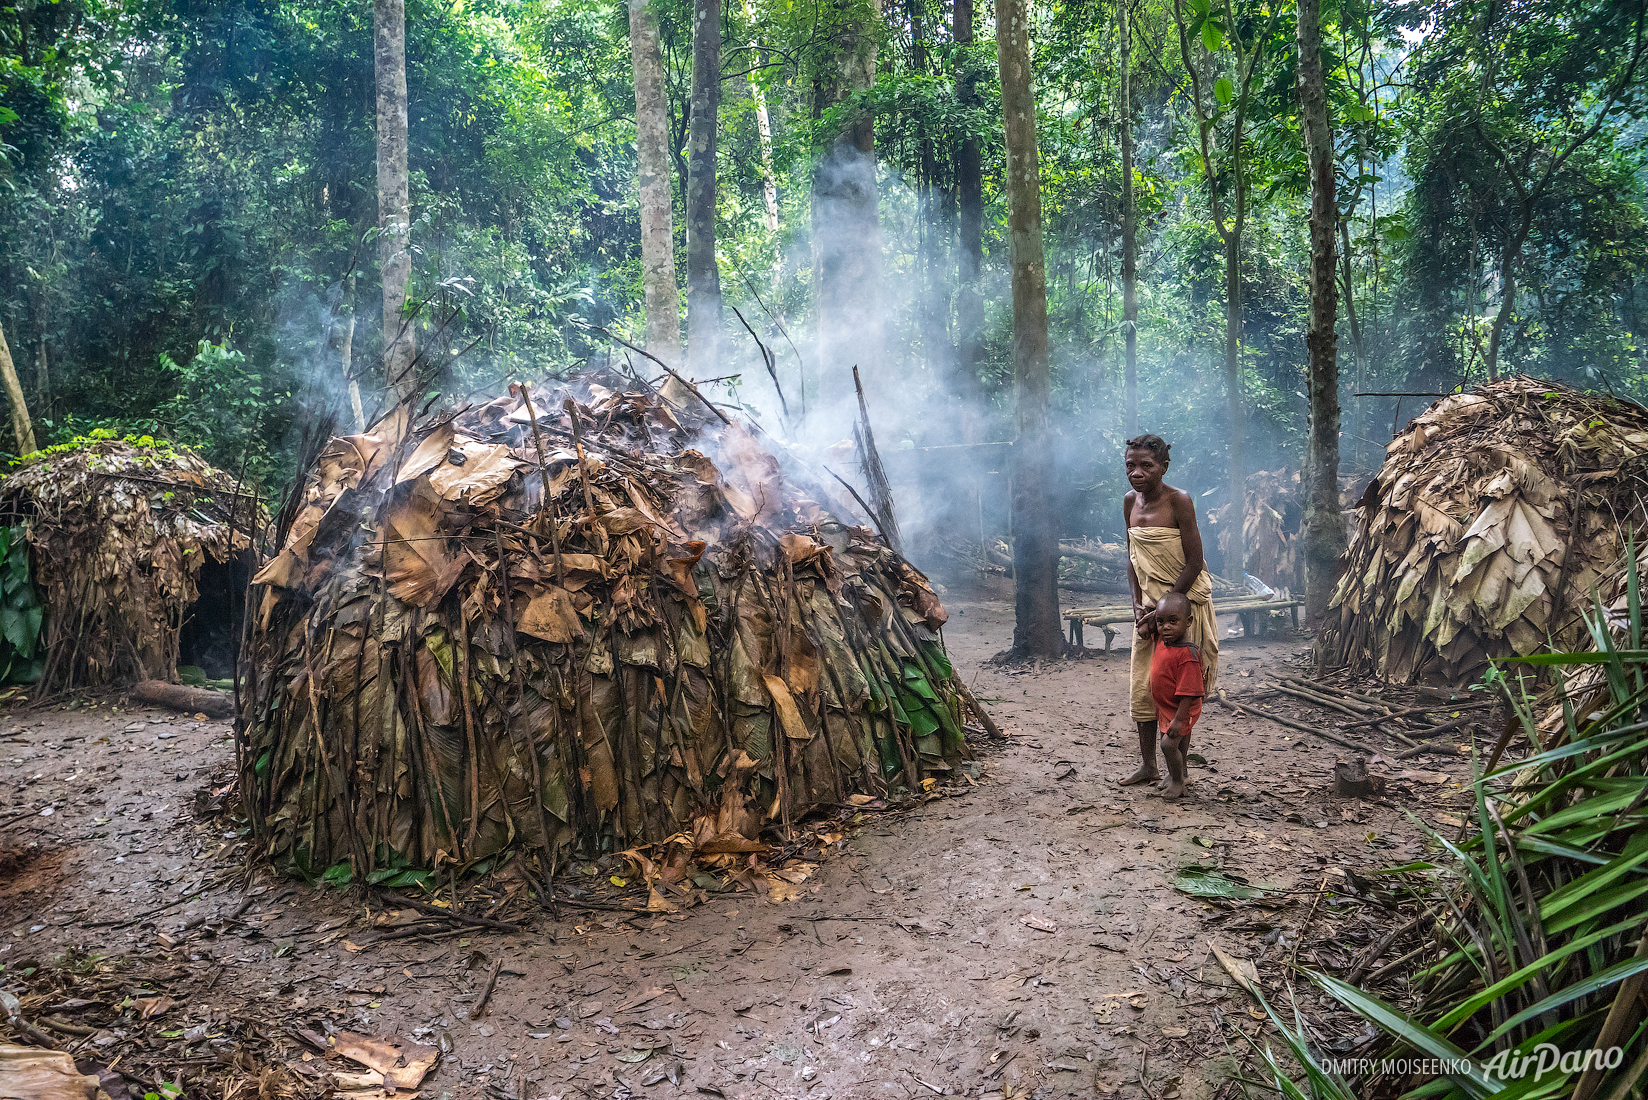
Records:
x=209, y=638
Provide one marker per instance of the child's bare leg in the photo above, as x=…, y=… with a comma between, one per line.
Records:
x=1147, y=772
x=1175, y=750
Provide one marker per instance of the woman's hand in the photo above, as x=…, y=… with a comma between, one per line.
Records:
x=1144, y=620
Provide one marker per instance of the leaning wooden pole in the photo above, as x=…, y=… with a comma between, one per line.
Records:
x=22, y=427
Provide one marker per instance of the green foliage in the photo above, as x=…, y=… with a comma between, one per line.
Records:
x=1545, y=894
x=21, y=613
x=220, y=409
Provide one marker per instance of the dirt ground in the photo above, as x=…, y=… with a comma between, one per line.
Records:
x=1023, y=937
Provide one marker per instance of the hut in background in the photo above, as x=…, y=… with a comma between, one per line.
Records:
x=1493, y=516
x=142, y=552
x=586, y=627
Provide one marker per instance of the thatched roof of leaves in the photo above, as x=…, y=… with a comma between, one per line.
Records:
x=1492, y=517
x=684, y=643
x=119, y=530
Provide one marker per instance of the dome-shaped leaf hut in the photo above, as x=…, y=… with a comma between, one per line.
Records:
x=602, y=629
x=1494, y=514
x=141, y=551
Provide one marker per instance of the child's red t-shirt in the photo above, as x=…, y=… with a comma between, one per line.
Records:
x=1175, y=670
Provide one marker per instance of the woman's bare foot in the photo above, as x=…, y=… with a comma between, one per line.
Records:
x=1145, y=774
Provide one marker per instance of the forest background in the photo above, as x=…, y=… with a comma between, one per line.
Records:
x=189, y=201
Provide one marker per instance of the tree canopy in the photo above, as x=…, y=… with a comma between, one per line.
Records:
x=188, y=212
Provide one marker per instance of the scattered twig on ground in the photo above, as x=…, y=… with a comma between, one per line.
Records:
x=450, y=914
x=486, y=993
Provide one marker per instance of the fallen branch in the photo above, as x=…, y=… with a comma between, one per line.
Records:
x=1300, y=726
x=1443, y=749
x=213, y=704
x=486, y=994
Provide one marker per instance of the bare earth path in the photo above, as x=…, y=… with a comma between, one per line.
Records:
x=904, y=969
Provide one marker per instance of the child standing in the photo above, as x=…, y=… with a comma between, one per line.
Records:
x=1176, y=687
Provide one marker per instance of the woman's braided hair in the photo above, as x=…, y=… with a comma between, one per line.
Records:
x=1155, y=444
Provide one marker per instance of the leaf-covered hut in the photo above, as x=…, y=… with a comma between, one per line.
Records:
x=142, y=551
x=1494, y=514
x=684, y=640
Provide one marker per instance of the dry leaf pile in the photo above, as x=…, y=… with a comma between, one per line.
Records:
x=1492, y=517
x=119, y=531
x=610, y=629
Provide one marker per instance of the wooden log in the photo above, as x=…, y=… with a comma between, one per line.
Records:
x=213, y=704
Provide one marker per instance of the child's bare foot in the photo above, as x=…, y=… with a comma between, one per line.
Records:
x=1145, y=774
x=1175, y=789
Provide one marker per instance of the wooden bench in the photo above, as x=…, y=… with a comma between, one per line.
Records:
x=1106, y=617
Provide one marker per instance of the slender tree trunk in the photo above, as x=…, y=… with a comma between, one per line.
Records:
x=847, y=234
x=394, y=194
x=1324, y=529
x=346, y=356
x=970, y=245
x=1236, y=559
x=22, y=427
x=1358, y=349
x=1130, y=232
x=769, y=175
x=659, y=295
x=1035, y=540
x=763, y=131
x=1507, y=290
x=703, y=275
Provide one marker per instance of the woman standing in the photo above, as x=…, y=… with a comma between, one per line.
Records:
x=1164, y=553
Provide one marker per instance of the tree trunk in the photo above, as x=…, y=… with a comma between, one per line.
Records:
x=662, y=302
x=1507, y=291
x=21, y=426
x=1358, y=349
x=394, y=195
x=703, y=276
x=970, y=228
x=1130, y=233
x=847, y=234
x=1036, y=630
x=346, y=356
x=1324, y=530
x=1236, y=558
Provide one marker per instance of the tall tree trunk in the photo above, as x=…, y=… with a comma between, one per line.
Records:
x=1236, y=558
x=1324, y=529
x=346, y=355
x=1358, y=348
x=394, y=194
x=1507, y=289
x=703, y=276
x=22, y=427
x=970, y=231
x=932, y=233
x=847, y=231
x=1035, y=540
x=763, y=131
x=1130, y=231
x=659, y=296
